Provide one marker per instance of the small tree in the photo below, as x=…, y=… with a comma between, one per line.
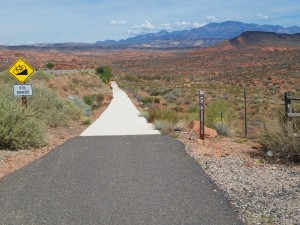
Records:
x=105, y=73
x=49, y=65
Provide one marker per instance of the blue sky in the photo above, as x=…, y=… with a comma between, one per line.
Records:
x=52, y=21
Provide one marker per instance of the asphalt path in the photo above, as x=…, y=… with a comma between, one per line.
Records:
x=114, y=180
x=119, y=171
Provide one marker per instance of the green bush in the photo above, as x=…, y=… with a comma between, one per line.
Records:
x=222, y=128
x=85, y=120
x=89, y=99
x=213, y=118
x=85, y=109
x=94, y=101
x=105, y=73
x=163, y=114
x=49, y=107
x=49, y=65
x=72, y=110
x=282, y=137
x=147, y=100
x=19, y=128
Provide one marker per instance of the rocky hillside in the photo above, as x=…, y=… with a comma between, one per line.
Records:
x=265, y=38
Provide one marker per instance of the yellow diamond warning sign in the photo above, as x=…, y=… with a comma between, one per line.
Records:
x=21, y=70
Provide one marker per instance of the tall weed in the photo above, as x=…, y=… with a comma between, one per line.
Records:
x=282, y=137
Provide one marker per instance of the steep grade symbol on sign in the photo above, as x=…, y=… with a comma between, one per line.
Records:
x=21, y=70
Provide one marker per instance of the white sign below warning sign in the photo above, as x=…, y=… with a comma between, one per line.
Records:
x=23, y=90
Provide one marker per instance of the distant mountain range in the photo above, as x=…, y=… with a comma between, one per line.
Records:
x=205, y=36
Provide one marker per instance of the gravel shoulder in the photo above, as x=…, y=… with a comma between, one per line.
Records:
x=261, y=191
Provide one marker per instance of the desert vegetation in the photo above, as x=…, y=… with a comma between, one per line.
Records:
x=104, y=73
x=171, y=81
x=57, y=100
x=281, y=137
x=174, y=83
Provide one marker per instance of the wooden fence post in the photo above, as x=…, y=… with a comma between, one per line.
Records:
x=287, y=103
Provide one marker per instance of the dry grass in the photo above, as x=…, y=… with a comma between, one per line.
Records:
x=282, y=137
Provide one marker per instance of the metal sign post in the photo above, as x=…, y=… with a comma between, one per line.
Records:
x=24, y=101
x=201, y=98
x=23, y=90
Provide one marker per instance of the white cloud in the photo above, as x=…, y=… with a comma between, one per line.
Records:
x=143, y=28
x=184, y=25
x=179, y=25
x=148, y=27
x=117, y=22
x=210, y=19
x=262, y=16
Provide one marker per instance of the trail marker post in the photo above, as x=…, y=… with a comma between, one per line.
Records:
x=201, y=103
x=245, y=103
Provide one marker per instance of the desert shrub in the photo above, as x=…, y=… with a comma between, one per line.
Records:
x=163, y=126
x=147, y=100
x=72, y=110
x=85, y=120
x=6, y=77
x=281, y=136
x=94, y=101
x=155, y=93
x=41, y=75
x=19, y=128
x=156, y=100
x=193, y=108
x=49, y=107
x=222, y=128
x=85, y=109
x=89, y=99
x=163, y=114
x=104, y=73
x=167, y=127
x=213, y=117
x=172, y=95
x=50, y=65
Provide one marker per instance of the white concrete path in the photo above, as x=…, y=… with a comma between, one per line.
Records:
x=120, y=118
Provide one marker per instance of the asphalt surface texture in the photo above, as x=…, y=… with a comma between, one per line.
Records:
x=143, y=179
